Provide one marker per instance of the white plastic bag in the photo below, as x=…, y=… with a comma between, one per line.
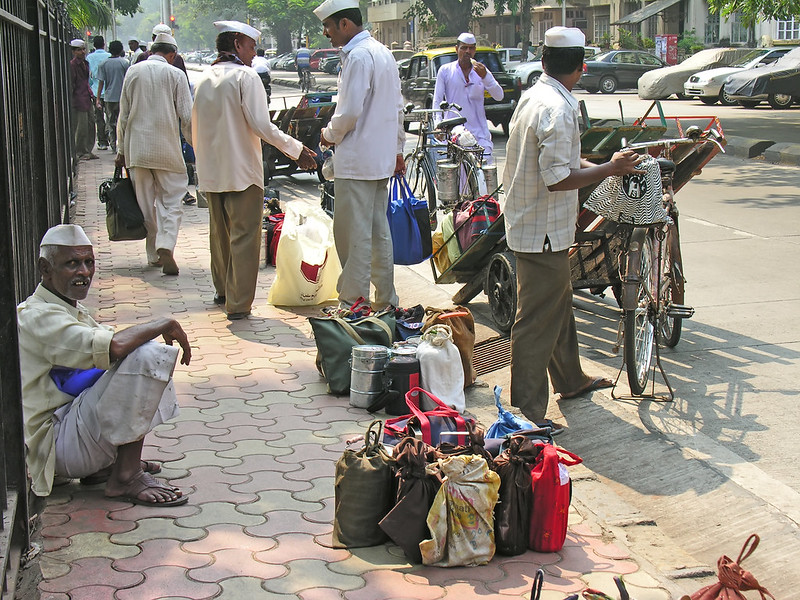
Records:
x=307, y=265
x=440, y=367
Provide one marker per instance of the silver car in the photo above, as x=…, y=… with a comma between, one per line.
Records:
x=529, y=72
x=708, y=85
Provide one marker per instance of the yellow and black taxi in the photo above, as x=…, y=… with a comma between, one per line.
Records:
x=418, y=80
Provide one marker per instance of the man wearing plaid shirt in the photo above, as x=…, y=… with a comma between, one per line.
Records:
x=542, y=176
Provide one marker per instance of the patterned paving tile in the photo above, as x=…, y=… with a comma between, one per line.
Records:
x=93, y=592
x=213, y=513
x=236, y=562
x=393, y=585
x=91, y=544
x=168, y=581
x=91, y=571
x=156, y=528
x=299, y=546
x=281, y=522
x=163, y=552
x=307, y=574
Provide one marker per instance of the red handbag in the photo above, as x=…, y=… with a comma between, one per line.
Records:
x=431, y=426
x=473, y=218
x=552, y=492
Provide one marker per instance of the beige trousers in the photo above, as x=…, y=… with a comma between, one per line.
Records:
x=129, y=400
x=363, y=241
x=543, y=338
x=235, y=220
x=159, y=194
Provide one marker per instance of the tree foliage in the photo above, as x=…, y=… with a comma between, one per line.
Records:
x=446, y=17
x=522, y=8
x=752, y=11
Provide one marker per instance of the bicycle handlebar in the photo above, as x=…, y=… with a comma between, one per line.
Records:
x=668, y=142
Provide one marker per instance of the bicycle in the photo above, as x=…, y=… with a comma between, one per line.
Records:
x=306, y=80
x=422, y=163
x=651, y=271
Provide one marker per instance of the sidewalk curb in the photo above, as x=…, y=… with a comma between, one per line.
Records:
x=783, y=154
x=742, y=147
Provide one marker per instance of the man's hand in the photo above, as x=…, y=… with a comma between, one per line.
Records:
x=119, y=161
x=624, y=163
x=175, y=333
x=98, y=104
x=306, y=159
x=399, y=165
x=324, y=142
x=480, y=68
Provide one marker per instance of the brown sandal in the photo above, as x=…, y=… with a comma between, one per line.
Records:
x=141, y=482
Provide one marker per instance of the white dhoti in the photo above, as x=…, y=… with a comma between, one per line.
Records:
x=159, y=194
x=135, y=395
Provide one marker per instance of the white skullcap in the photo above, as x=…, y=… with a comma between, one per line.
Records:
x=238, y=27
x=161, y=28
x=76, y=43
x=165, y=38
x=467, y=38
x=65, y=235
x=330, y=7
x=564, y=37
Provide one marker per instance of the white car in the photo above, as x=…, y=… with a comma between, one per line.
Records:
x=708, y=85
x=510, y=57
x=529, y=72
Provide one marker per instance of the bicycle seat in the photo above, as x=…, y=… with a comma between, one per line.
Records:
x=448, y=124
x=666, y=166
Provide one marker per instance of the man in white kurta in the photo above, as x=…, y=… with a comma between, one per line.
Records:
x=155, y=106
x=367, y=131
x=464, y=82
x=229, y=120
x=96, y=431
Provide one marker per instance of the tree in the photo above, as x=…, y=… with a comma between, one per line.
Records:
x=446, y=17
x=285, y=18
x=96, y=14
x=752, y=11
x=523, y=7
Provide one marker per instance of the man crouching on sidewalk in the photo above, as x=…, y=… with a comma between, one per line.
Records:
x=96, y=434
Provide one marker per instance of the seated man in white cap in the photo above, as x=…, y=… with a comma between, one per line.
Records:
x=230, y=117
x=366, y=129
x=154, y=109
x=464, y=82
x=76, y=424
x=543, y=172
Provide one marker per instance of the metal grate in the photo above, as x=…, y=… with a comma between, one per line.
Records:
x=491, y=355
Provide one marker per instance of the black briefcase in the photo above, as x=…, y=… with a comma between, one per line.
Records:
x=124, y=218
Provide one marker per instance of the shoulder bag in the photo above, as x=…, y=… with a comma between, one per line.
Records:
x=124, y=218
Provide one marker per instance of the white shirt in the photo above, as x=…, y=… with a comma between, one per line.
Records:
x=260, y=64
x=544, y=145
x=229, y=120
x=468, y=94
x=155, y=106
x=366, y=126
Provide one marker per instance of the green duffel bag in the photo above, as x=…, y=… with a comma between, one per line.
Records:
x=335, y=339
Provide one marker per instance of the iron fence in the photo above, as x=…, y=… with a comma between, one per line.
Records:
x=35, y=182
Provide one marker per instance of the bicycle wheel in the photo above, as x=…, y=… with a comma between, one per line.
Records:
x=672, y=288
x=639, y=330
x=420, y=180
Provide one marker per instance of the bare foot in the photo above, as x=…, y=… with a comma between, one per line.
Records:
x=592, y=384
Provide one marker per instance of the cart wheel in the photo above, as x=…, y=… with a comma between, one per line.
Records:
x=639, y=333
x=501, y=288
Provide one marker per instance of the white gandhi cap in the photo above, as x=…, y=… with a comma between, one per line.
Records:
x=329, y=7
x=564, y=37
x=76, y=43
x=165, y=38
x=238, y=27
x=65, y=235
x=467, y=38
x=161, y=28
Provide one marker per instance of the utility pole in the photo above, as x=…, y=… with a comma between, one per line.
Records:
x=113, y=21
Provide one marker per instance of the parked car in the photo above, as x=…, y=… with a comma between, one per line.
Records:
x=210, y=58
x=418, y=80
x=317, y=55
x=400, y=54
x=778, y=83
x=708, y=85
x=510, y=57
x=617, y=69
x=529, y=72
x=273, y=62
x=330, y=64
x=662, y=83
x=286, y=62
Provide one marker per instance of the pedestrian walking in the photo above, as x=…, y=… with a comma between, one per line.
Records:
x=134, y=50
x=111, y=74
x=366, y=129
x=162, y=28
x=155, y=107
x=543, y=173
x=95, y=59
x=466, y=82
x=229, y=120
x=82, y=102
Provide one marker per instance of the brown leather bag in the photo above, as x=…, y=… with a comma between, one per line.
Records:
x=733, y=579
x=462, y=323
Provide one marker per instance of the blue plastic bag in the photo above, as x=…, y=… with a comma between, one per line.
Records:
x=506, y=422
x=409, y=223
x=74, y=381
